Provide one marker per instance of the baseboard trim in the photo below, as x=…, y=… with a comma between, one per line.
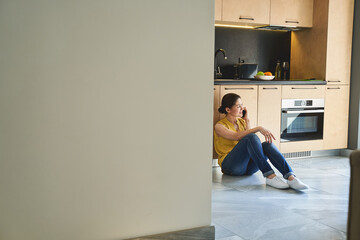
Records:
x=320, y=153
x=345, y=152
x=201, y=233
x=324, y=153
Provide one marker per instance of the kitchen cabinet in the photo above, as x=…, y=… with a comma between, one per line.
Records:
x=339, y=41
x=218, y=10
x=301, y=146
x=336, y=116
x=297, y=13
x=216, y=104
x=303, y=91
x=264, y=108
x=249, y=96
x=216, y=116
x=245, y=12
x=324, y=51
x=269, y=111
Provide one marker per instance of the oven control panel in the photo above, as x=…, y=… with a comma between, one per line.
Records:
x=302, y=103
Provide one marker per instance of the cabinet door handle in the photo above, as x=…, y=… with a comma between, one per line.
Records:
x=303, y=88
x=274, y=88
x=239, y=88
x=333, y=88
x=246, y=18
x=334, y=81
x=290, y=21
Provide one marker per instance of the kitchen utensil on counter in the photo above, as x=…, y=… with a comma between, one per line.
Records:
x=245, y=70
x=278, y=71
x=285, y=67
x=217, y=72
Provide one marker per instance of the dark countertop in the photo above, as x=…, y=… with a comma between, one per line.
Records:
x=264, y=82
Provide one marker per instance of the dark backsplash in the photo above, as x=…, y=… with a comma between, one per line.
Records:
x=253, y=46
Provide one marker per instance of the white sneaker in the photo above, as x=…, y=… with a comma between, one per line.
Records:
x=297, y=184
x=277, y=182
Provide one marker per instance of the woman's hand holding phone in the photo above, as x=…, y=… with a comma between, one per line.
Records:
x=244, y=113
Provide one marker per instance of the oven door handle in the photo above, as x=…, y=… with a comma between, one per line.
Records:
x=303, y=111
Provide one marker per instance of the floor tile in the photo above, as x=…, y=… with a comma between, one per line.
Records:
x=245, y=208
x=221, y=232
x=231, y=238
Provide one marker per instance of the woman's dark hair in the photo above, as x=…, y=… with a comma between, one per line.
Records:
x=228, y=100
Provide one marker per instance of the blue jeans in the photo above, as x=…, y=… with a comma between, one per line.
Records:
x=250, y=155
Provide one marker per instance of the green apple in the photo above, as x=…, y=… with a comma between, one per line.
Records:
x=260, y=74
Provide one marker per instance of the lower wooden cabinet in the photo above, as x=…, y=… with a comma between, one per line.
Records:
x=269, y=111
x=336, y=116
x=264, y=108
x=216, y=106
x=301, y=146
x=303, y=91
x=248, y=94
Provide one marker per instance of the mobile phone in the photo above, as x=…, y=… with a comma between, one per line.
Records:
x=243, y=113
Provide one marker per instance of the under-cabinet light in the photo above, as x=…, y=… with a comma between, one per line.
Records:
x=233, y=26
x=263, y=28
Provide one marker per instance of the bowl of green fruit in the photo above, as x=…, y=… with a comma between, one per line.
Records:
x=264, y=76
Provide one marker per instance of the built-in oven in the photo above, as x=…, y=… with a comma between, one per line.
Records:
x=302, y=119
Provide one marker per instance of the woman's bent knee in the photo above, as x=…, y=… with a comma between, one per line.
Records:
x=252, y=136
x=269, y=146
x=266, y=144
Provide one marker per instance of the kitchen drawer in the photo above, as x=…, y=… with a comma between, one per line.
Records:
x=301, y=92
x=301, y=146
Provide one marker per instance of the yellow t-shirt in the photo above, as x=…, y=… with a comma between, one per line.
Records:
x=224, y=146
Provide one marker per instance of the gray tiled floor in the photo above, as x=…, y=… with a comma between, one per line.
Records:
x=245, y=208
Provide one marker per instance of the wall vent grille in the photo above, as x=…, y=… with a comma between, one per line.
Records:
x=297, y=154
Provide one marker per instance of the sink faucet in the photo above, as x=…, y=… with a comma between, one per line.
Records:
x=217, y=72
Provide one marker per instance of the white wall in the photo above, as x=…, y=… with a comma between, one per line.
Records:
x=106, y=110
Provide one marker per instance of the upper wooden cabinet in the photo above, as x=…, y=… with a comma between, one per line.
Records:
x=339, y=41
x=246, y=12
x=297, y=13
x=324, y=51
x=218, y=10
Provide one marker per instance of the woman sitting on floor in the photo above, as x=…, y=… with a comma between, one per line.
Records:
x=241, y=151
